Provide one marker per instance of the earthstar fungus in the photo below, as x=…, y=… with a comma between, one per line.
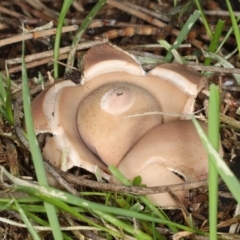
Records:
x=91, y=123
x=172, y=153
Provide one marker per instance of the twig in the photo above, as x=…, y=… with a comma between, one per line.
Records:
x=50, y=169
x=219, y=12
x=11, y=13
x=138, y=190
x=230, y=121
x=149, y=12
x=47, y=56
x=147, y=18
x=35, y=35
x=36, y=56
x=215, y=69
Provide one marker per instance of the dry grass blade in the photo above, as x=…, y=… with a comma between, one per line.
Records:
x=35, y=35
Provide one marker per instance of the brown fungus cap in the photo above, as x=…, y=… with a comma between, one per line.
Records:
x=167, y=82
x=170, y=88
x=168, y=154
x=102, y=123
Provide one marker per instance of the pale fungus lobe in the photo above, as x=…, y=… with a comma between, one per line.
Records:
x=167, y=83
x=55, y=113
x=115, y=117
x=170, y=153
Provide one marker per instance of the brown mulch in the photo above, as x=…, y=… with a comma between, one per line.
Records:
x=126, y=24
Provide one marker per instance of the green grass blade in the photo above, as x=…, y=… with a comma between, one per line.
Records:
x=2, y=91
x=9, y=110
x=27, y=222
x=222, y=61
x=234, y=24
x=66, y=5
x=35, y=151
x=205, y=22
x=120, y=177
x=222, y=168
x=138, y=234
x=58, y=198
x=215, y=40
x=37, y=209
x=227, y=36
x=4, y=114
x=5, y=100
x=82, y=29
x=213, y=135
x=174, y=52
x=183, y=33
x=42, y=222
